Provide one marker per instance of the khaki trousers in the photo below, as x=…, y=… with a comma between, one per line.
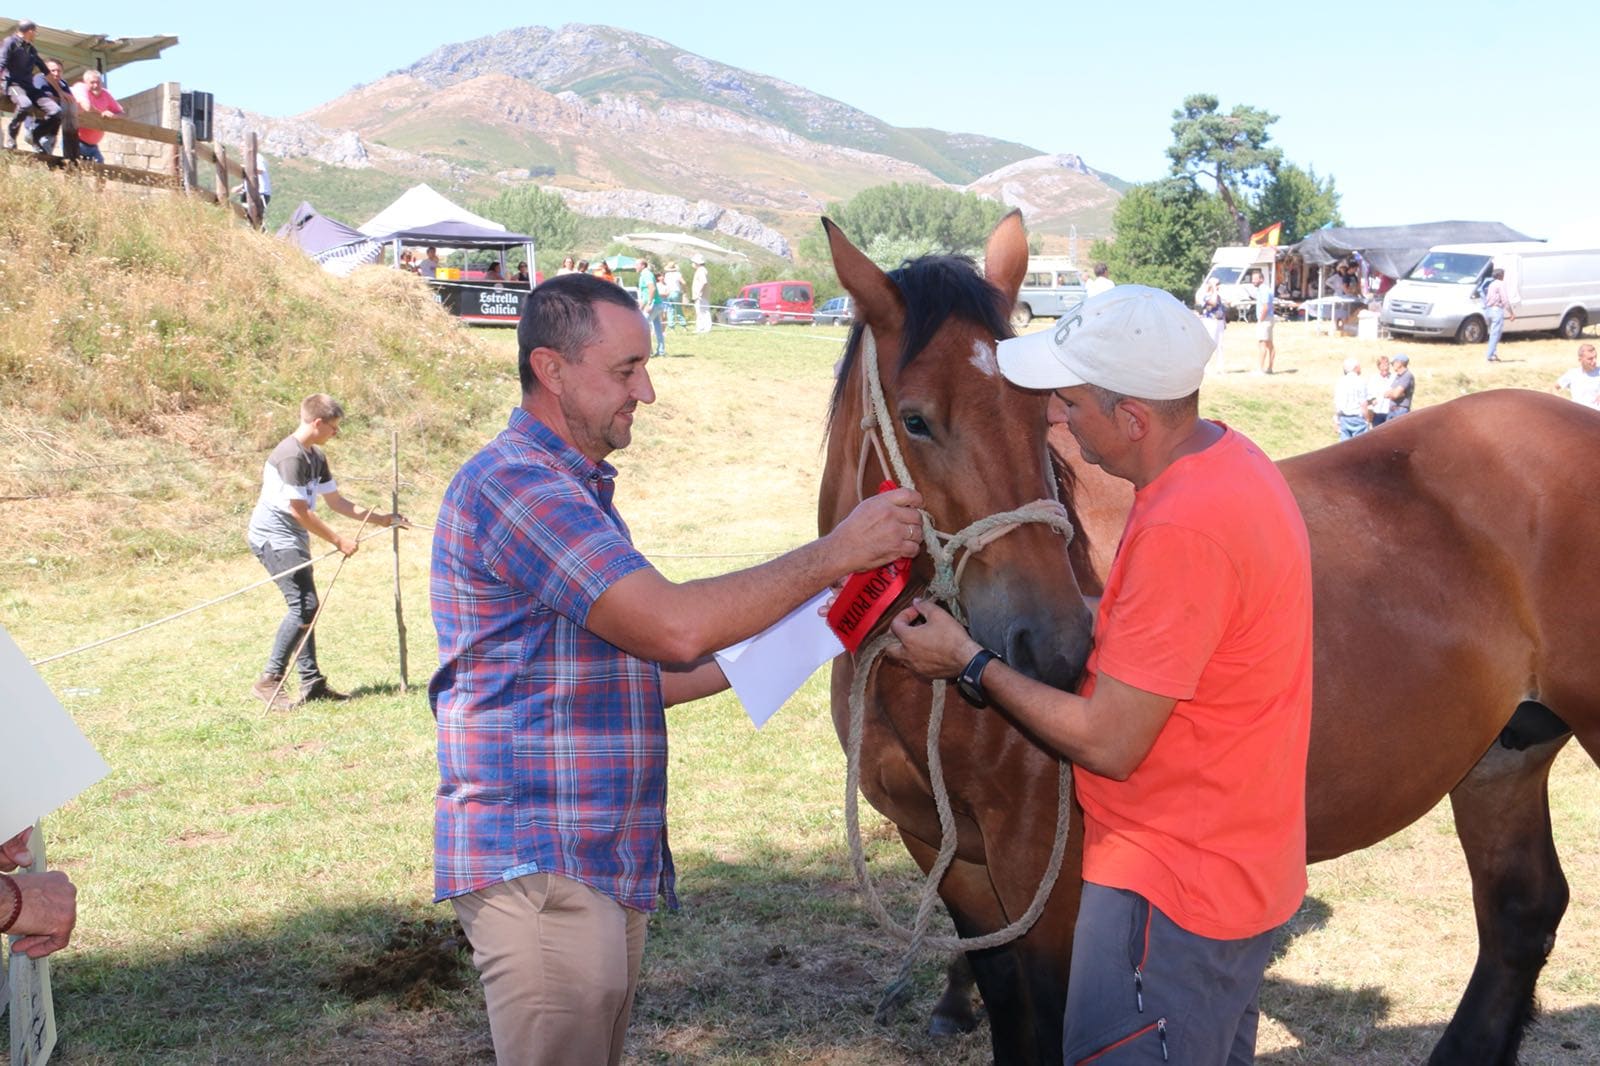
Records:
x=559, y=963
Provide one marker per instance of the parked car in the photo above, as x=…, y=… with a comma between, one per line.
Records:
x=839, y=311
x=1051, y=287
x=783, y=301
x=741, y=313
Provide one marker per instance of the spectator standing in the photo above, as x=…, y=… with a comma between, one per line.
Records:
x=1582, y=383
x=295, y=474
x=1101, y=282
x=429, y=267
x=1190, y=733
x=652, y=304
x=1352, y=404
x=93, y=98
x=19, y=62
x=700, y=290
x=1378, y=388
x=567, y=267
x=1402, y=386
x=560, y=647
x=1214, y=314
x=1264, y=297
x=1497, y=308
x=672, y=292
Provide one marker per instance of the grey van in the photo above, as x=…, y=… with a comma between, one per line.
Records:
x=1047, y=292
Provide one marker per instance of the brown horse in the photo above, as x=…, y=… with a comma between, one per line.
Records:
x=1495, y=499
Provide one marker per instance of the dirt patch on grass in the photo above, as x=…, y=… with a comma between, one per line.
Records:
x=421, y=960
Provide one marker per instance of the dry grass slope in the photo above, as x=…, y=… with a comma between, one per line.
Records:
x=141, y=334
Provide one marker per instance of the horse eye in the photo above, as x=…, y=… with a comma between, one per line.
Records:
x=917, y=426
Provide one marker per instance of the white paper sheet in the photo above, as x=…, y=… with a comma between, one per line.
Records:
x=48, y=759
x=772, y=665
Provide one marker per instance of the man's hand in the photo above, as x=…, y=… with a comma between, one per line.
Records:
x=15, y=852
x=932, y=643
x=396, y=519
x=348, y=546
x=49, y=911
x=881, y=529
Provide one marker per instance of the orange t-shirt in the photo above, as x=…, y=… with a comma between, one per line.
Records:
x=1209, y=602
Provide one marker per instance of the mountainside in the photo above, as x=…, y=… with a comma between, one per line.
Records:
x=629, y=126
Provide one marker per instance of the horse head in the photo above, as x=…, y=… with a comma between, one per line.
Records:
x=974, y=445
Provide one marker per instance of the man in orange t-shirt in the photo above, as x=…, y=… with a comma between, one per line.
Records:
x=1191, y=728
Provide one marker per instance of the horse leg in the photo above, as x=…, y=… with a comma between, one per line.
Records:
x=956, y=1012
x=1024, y=1018
x=1502, y=815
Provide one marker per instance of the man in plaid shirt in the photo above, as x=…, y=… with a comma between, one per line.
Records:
x=560, y=647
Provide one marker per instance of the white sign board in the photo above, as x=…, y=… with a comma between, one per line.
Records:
x=48, y=759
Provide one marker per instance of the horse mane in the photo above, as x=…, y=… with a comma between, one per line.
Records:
x=933, y=288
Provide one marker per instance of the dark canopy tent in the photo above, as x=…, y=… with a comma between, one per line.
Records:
x=454, y=234
x=336, y=246
x=1394, y=250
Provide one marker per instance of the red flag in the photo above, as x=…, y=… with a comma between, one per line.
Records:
x=1267, y=237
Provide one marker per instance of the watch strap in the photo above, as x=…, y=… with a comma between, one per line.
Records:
x=970, y=681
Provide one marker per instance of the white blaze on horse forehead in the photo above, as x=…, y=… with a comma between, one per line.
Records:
x=983, y=358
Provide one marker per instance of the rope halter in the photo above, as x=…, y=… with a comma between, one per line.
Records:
x=950, y=553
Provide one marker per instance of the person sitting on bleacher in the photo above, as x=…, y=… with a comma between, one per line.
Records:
x=19, y=60
x=94, y=99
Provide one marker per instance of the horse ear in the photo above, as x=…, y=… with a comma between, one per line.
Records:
x=877, y=299
x=1005, y=257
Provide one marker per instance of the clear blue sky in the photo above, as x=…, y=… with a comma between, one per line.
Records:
x=1422, y=111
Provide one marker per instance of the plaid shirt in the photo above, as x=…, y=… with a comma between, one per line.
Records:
x=552, y=742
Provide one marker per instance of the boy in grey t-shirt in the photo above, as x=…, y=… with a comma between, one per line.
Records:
x=294, y=476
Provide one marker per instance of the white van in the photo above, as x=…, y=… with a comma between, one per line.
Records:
x=1231, y=266
x=1052, y=285
x=1551, y=287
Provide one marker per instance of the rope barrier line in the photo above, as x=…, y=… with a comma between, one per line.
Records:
x=189, y=610
x=945, y=588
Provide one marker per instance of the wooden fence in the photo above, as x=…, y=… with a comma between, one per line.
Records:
x=226, y=175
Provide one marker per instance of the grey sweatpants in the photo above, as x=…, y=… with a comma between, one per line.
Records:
x=1144, y=990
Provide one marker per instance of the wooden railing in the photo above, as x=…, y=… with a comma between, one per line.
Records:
x=184, y=177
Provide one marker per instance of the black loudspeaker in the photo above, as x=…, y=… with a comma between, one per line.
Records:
x=198, y=108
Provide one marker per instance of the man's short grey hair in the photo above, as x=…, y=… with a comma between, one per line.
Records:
x=1169, y=411
x=559, y=315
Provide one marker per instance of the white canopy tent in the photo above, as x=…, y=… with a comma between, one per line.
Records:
x=679, y=244
x=418, y=208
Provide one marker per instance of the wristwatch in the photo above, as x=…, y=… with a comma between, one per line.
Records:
x=970, y=681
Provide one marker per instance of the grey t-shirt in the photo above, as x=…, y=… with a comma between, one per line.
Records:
x=292, y=472
x=1402, y=380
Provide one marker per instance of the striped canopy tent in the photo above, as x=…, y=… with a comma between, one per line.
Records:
x=338, y=248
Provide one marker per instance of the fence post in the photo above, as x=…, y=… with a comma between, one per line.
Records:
x=252, y=184
x=187, y=170
x=220, y=158
x=394, y=506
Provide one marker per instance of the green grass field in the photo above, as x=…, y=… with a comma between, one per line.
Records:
x=238, y=866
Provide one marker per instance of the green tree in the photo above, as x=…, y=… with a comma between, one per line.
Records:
x=1166, y=231
x=1300, y=200
x=1229, y=149
x=542, y=215
x=906, y=219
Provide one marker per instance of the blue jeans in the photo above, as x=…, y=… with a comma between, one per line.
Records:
x=90, y=153
x=658, y=315
x=1497, y=326
x=300, y=595
x=1352, y=426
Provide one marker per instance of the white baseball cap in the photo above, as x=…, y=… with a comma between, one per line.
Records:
x=1131, y=339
